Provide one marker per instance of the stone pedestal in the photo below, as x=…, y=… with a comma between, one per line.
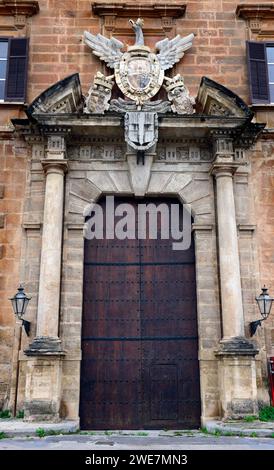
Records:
x=43, y=389
x=237, y=378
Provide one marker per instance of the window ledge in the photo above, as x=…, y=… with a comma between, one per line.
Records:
x=12, y=103
x=269, y=106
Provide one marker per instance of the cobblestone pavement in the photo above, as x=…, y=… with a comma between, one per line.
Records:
x=192, y=441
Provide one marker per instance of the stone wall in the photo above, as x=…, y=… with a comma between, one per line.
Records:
x=57, y=49
x=13, y=163
x=263, y=190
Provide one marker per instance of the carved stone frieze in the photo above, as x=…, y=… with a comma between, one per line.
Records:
x=97, y=151
x=183, y=152
x=239, y=154
x=56, y=146
x=38, y=151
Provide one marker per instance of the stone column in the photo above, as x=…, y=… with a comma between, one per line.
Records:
x=237, y=376
x=229, y=265
x=54, y=166
x=49, y=285
x=43, y=396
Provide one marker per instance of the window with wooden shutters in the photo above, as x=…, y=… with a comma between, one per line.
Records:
x=261, y=71
x=13, y=69
x=258, y=74
x=16, y=79
x=4, y=47
x=270, y=69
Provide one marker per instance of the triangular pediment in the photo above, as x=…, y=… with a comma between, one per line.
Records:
x=63, y=97
x=216, y=100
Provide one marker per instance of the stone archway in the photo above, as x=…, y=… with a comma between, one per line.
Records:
x=188, y=188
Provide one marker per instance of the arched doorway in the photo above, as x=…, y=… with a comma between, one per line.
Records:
x=139, y=337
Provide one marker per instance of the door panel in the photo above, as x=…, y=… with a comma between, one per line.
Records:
x=140, y=347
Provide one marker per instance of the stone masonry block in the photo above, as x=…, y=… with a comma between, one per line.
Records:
x=2, y=220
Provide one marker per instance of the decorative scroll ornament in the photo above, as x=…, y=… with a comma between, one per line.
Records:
x=139, y=72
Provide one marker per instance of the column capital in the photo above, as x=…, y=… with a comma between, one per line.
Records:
x=220, y=169
x=53, y=165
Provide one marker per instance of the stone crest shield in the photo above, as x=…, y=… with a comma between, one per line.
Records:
x=139, y=75
x=141, y=129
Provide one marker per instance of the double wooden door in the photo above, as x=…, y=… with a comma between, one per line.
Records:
x=139, y=338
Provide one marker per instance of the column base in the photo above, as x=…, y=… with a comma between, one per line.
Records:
x=237, y=378
x=45, y=346
x=239, y=345
x=43, y=389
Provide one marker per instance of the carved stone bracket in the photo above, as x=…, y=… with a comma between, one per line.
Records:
x=258, y=15
x=19, y=7
x=249, y=11
x=20, y=10
x=159, y=17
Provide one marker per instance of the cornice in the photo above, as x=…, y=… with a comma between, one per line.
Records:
x=168, y=10
x=249, y=11
x=19, y=7
x=159, y=18
x=259, y=18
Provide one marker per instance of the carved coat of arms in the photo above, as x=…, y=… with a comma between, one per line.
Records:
x=140, y=73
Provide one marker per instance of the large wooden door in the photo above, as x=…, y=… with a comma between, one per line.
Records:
x=139, y=341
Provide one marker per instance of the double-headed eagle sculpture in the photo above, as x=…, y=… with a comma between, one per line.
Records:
x=139, y=73
x=170, y=52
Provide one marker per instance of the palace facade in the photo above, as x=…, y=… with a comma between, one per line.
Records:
x=132, y=334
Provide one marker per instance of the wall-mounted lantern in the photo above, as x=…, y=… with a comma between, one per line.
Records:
x=19, y=304
x=264, y=302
